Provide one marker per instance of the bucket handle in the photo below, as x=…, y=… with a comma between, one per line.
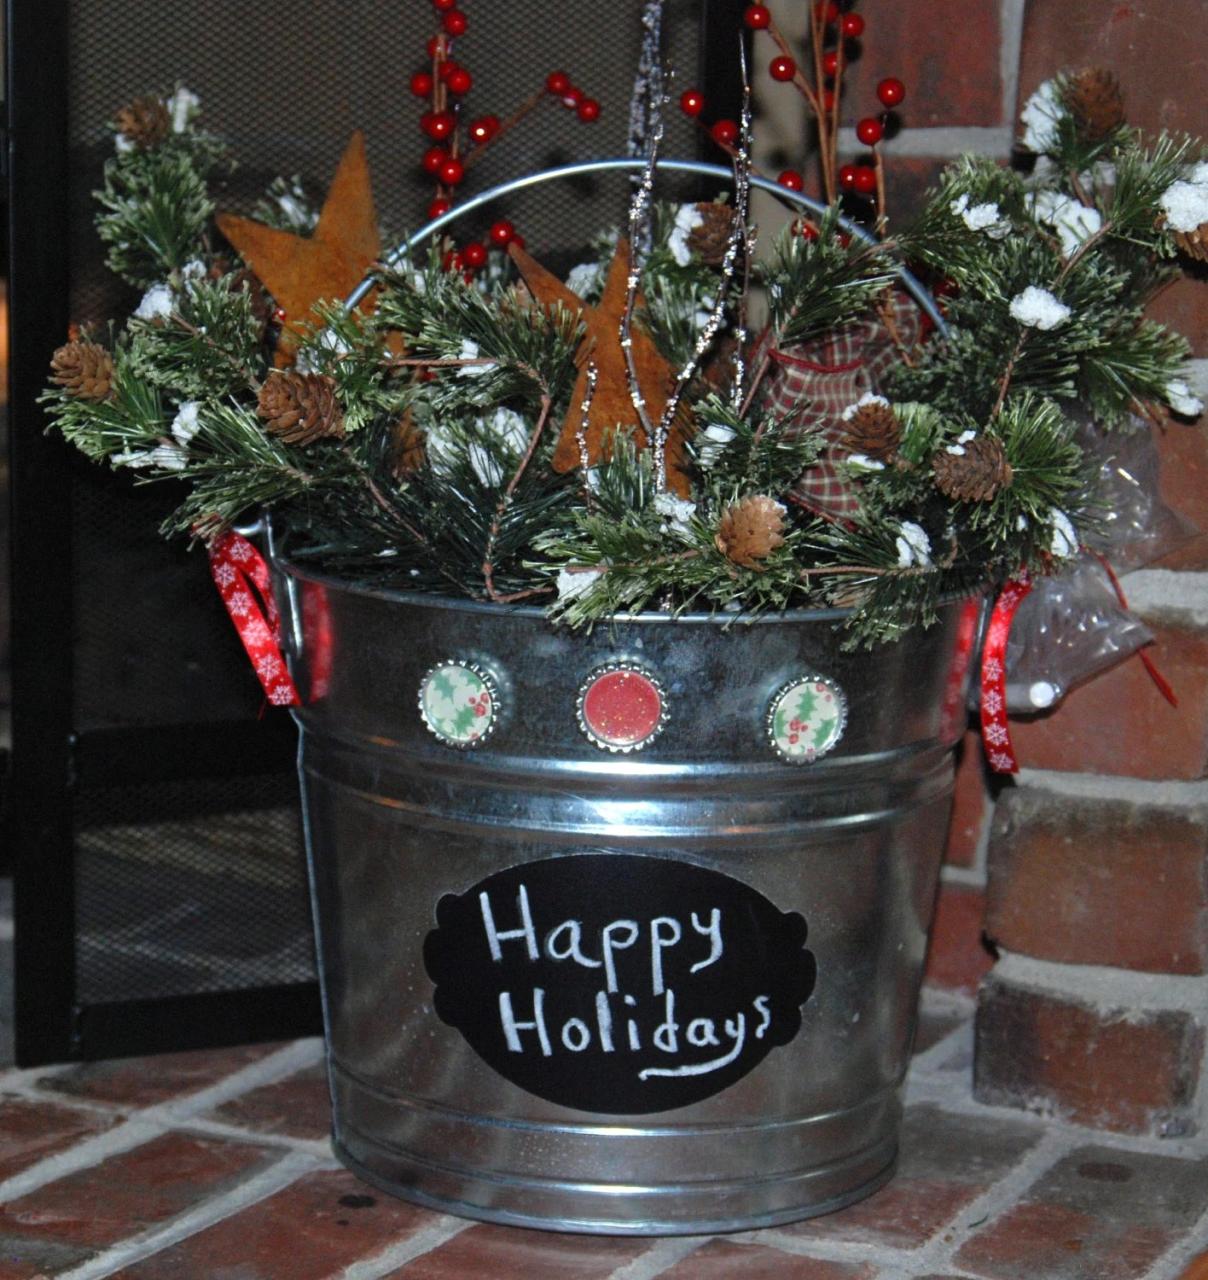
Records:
x=620, y=164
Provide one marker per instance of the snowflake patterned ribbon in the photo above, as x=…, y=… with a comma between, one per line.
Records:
x=996, y=733
x=237, y=567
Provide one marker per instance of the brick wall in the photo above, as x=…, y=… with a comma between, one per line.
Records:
x=1088, y=875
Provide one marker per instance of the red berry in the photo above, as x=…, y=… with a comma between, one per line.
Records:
x=438, y=208
x=891, y=91
x=446, y=68
x=830, y=62
x=865, y=181
x=451, y=171
x=280, y=315
x=518, y=240
x=421, y=84
x=557, y=82
x=502, y=232
x=827, y=12
x=438, y=124
x=791, y=179
x=483, y=129
x=434, y=157
x=588, y=110
x=828, y=99
x=443, y=6
x=437, y=46
x=692, y=102
x=459, y=81
x=572, y=97
x=757, y=17
x=852, y=25
x=782, y=68
x=847, y=176
x=455, y=22
x=870, y=131
x=807, y=230
x=474, y=254
x=451, y=261
x=724, y=132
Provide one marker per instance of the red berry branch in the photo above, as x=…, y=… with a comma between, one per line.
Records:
x=458, y=145
x=833, y=32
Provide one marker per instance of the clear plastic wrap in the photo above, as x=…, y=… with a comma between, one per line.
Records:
x=1074, y=625
x=1068, y=629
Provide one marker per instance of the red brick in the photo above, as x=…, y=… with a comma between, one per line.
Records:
x=908, y=179
x=1099, y=882
x=1141, y=43
x=957, y=958
x=32, y=1130
x=949, y=63
x=1196, y=1269
x=142, y=1082
x=946, y=1162
x=73, y=1218
x=1098, y=1214
x=724, y=1260
x=505, y=1253
x=972, y=805
x=299, y=1106
x=315, y=1228
x=1130, y=1071
x=1183, y=459
x=1118, y=723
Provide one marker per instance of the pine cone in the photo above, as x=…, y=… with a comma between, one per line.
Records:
x=750, y=530
x=406, y=448
x=300, y=408
x=1194, y=243
x=1094, y=100
x=976, y=475
x=145, y=122
x=710, y=240
x=84, y=370
x=873, y=430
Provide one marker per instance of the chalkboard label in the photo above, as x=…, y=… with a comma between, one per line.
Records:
x=619, y=984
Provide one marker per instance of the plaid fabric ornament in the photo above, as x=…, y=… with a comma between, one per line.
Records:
x=810, y=384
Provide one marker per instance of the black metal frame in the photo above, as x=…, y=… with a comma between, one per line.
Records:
x=51, y=762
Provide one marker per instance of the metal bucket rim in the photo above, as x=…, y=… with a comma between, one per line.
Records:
x=436, y=600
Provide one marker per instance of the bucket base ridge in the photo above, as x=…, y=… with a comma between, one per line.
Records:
x=694, y=1208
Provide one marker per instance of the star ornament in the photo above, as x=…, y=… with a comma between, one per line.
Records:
x=300, y=271
x=612, y=405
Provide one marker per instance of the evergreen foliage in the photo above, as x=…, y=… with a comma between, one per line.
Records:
x=453, y=393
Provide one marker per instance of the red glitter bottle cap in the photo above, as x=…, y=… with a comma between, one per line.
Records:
x=621, y=707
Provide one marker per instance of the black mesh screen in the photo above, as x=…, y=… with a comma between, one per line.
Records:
x=190, y=886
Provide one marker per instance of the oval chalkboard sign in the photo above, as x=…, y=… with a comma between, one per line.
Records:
x=619, y=984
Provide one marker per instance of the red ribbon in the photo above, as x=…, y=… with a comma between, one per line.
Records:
x=237, y=567
x=996, y=733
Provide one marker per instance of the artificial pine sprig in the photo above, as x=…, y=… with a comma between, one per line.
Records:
x=413, y=442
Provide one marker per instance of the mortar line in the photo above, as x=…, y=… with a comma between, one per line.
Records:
x=423, y=1241
x=1006, y=1192
x=929, y=1062
x=149, y=1123
x=320, y=1148
x=210, y=1212
x=875, y=1251
x=938, y=1092
x=1010, y=51
x=1171, y=1264
x=660, y=1257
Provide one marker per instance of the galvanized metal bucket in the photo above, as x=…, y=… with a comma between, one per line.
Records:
x=621, y=932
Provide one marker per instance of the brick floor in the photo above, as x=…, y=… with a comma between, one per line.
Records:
x=214, y=1167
